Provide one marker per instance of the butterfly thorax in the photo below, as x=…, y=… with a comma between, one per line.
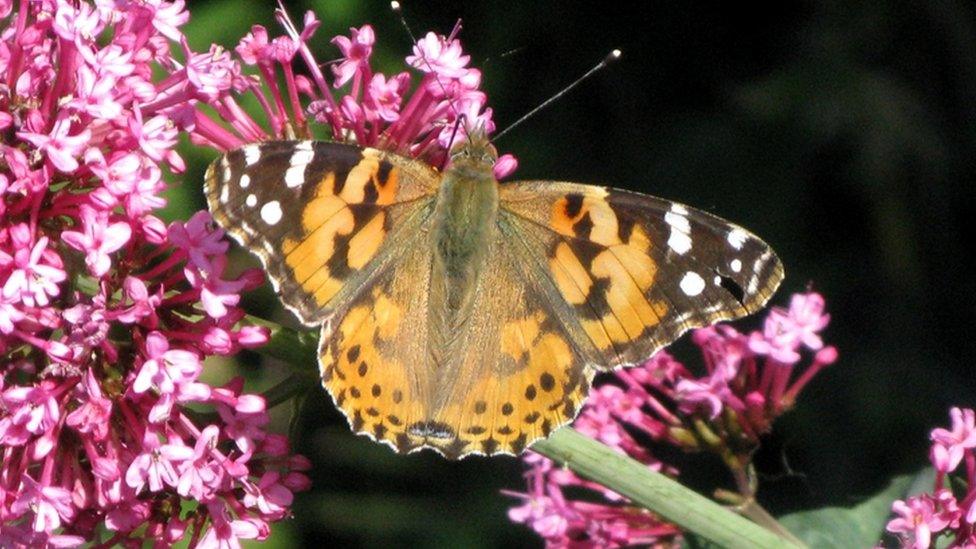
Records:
x=463, y=226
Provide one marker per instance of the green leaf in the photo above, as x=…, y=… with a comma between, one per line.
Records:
x=859, y=526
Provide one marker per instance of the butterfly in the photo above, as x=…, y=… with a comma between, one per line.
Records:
x=466, y=315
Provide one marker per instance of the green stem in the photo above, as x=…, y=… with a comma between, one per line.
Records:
x=587, y=457
x=295, y=385
x=298, y=349
x=662, y=495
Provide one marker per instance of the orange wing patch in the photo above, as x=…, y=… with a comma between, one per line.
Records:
x=604, y=273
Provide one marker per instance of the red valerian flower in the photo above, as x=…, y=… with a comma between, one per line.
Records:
x=107, y=315
x=946, y=517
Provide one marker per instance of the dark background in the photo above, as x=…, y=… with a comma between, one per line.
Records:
x=842, y=132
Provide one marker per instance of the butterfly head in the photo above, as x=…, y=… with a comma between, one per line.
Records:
x=475, y=151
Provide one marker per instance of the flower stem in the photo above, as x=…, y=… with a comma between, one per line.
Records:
x=662, y=495
x=298, y=349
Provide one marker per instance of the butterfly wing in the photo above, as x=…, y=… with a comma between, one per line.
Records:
x=323, y=217
x=345, y=244
x=637, y=271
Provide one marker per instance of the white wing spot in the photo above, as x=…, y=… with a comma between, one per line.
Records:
x=252, y=153
x=692, y=284
x=680, y=239
x=300, y=159
x=225, y=165
x=737, y=237
x=736, y=265
x=717, y=280
x=245, y=181
x=679, y=209
x=251, y=201
x=271, y=212
x=224, y=193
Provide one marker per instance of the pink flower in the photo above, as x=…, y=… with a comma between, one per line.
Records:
x=167, y=17
x=200, y=238
x=98, y=239
x=253, y=48
x=36, y=276
x=919, y=519
x=200, y=474
x=93, y=416
x=10, y=314
x=100, y=359
x=945, y=511
x=156, y=465
x=226, y=533
x=30, y=411
x=385, y=96
x=61, y=148
x=49, y=504
x=439, y=55
x=269, y=495
x=356, y=51
x=165, y=369
x=216, y=295
x=212, y=73
x=950, y=446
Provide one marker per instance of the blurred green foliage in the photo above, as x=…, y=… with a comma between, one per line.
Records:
x=842, y=132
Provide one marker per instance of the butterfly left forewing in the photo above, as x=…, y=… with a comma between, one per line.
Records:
x=638, y=271
x=323, y=217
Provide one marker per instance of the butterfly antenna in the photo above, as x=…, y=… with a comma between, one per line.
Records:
x=398, y=10
x=610, y=58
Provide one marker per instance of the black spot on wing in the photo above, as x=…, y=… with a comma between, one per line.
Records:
x=370, y=194
x=574, y=203
x=489, y=446
x=518, y=445
x=547, y=382
x=383, y=173
x=583, y=227
x=730, y=285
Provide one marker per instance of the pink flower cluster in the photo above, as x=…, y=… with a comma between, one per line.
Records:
x=750, y=380
x=107, y=314
x=372, y=109
x=944, y=512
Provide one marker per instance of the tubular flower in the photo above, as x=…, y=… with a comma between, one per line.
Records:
x=946, y=517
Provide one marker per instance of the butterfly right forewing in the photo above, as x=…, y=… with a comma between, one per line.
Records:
x=638, y=270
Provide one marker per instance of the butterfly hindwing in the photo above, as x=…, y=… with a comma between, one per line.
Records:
x=637, y=270
x=321, y=216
